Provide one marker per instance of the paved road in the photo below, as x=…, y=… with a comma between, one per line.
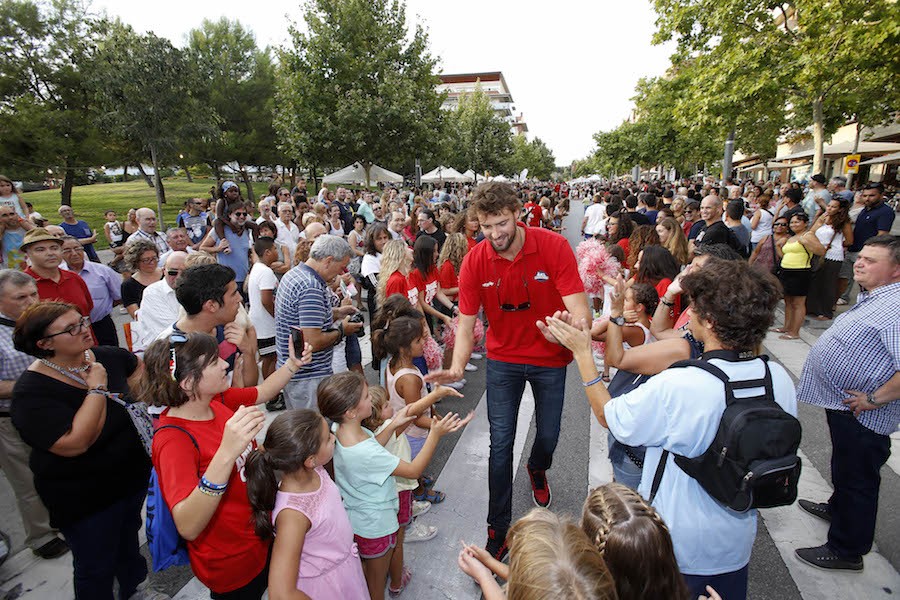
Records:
x=580, y=464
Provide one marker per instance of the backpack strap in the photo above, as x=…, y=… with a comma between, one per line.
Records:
x=183, y=430
x=712, y=370
x=657, y=478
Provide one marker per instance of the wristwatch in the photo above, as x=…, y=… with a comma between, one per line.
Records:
x=620, y=321
x=870, y=398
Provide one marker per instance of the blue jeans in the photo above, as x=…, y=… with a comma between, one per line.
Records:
x=625, y=470
x=857, y=455
x=505, y=385
x=105, y=546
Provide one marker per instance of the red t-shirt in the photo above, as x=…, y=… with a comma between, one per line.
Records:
x=472, y=242
x=625, y=245
x=427, y=285
x=686, y=227
x=661, y=287
x=398, y=283
x=448, y=278
x=542, y=273
x=534, y=214
x=228, y=554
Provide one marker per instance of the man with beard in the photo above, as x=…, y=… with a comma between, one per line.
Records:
x=523, y=275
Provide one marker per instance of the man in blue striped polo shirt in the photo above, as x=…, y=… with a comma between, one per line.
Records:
x=303, y=300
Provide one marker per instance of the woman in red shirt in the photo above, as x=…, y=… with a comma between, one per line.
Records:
x=396, y=259
x=199, y=450
x=449, y=262
x=619, y=228
x=424, y=275
x=657, y=266
x=467, y=224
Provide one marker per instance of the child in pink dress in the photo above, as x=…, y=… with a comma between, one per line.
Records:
x=314, y=551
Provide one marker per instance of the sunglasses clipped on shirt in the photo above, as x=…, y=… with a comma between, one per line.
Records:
x=509, y=307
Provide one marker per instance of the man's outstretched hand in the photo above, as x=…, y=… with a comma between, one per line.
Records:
x=444, y=376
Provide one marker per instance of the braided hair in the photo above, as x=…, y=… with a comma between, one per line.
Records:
x=634, y=542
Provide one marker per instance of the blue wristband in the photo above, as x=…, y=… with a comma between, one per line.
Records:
x=216, y=487
x=592, y=381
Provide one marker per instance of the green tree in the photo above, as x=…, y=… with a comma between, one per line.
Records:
x=534, y=156
x=144, y=87
x=765, y=66
x=357, y=86
x=240, y=89
x=476, y=137
x=45, y=104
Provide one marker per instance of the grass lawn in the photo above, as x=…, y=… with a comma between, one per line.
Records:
x=91, y=201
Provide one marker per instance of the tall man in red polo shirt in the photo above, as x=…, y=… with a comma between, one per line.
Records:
x=44, y=252
x=522, y=276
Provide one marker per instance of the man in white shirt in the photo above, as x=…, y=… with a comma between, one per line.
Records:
x=159, y=306
x=261, y=285
x=594, y=222
x=265, y=209
x=179, y=241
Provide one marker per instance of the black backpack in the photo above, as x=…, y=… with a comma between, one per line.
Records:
x=752, y=462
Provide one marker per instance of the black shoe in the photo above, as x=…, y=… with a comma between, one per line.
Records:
x=823, y=558
x=540, y=488
x=816, y=509
x=52, y=549
x=276, y=404
x=496, y=544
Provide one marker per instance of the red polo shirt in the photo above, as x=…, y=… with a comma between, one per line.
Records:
x=541, y=273
x=70, y=288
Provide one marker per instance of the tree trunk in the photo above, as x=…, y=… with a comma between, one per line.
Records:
x=125, y=174
x=140, y=168
x=243, y=169
x=65, y=192
x=312, y=173
x=160, y=191
x=818, y=164
x=187, y=173
x=217, y=173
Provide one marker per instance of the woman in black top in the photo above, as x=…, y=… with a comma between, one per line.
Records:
x=90, y=467
x=141, y=259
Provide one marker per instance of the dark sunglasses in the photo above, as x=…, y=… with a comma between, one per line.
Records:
x=175, y=338
x=240, y=214
x=780, y=225
x=173, y=272
x=508, y=307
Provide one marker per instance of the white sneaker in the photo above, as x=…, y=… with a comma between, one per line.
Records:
x=470, y=367
x=456, y=385
x=145, y=592
x=419, y=533
x=420, y=507
x=477, y=356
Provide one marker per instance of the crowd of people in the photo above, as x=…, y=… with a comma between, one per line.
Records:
x=242, y=304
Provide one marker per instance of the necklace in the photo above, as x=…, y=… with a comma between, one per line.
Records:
x=69, y=371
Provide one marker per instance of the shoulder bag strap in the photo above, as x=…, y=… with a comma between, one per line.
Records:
x=657, y=478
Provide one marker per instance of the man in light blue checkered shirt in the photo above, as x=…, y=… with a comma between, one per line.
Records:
x=853, y=372
x=18, y=291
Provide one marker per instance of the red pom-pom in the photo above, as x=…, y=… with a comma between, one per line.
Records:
x=449, y=338
x=594, y=262
x=434, y=356
x=599, y=347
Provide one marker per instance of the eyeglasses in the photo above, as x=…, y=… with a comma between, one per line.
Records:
x=149, y=260
x=780, y=225
x=509, y=307
x=240, y=214
x=73, y=330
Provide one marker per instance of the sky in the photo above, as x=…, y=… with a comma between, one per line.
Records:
x=570, y=65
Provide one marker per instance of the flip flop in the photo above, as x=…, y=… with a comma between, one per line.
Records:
x=788, y=336
x=404, y=581
x=778, y=330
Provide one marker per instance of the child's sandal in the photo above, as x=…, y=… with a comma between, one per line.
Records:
x=427, y=481
x=432, y=496
x=404, y=581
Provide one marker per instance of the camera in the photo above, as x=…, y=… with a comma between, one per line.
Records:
x=357, y=318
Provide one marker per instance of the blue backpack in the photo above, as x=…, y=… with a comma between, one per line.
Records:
x=167, y=548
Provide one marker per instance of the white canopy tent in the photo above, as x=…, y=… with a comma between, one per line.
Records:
x=444, y=174
x=469, y=176
x=356, y=173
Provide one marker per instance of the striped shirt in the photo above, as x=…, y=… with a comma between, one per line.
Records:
x=12, y=362
x=860, y=351
x=303, y=301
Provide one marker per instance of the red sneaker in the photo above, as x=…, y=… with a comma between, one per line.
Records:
x=540, y=488
x=496, y=544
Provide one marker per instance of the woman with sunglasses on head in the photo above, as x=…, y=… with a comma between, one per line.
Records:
x=204, y=437
x=90, y=467
x=764, y=256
